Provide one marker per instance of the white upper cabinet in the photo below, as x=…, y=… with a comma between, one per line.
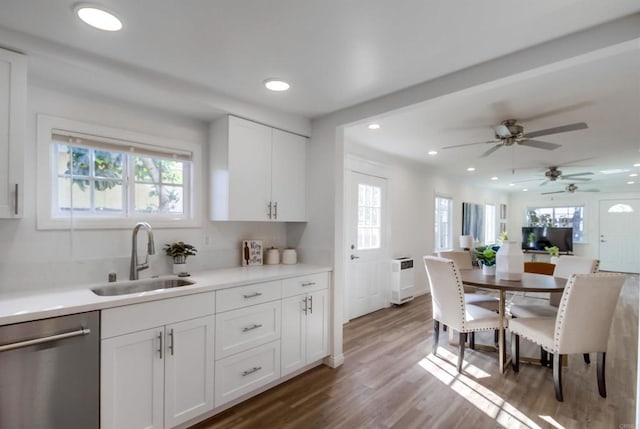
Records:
x=257, y=173
x=13, y=96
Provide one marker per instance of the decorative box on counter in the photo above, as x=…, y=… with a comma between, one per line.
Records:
x=251, y=252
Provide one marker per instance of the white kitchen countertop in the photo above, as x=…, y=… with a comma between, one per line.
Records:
x=18, y=307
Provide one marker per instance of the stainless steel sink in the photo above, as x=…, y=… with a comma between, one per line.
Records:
x=137, y=286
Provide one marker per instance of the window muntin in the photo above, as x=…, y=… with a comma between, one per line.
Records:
x=443, y=225
x=566, y=217
x=369, y=217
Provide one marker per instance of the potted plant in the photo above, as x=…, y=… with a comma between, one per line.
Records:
x=179, y=252
x=554, y=253
x=486, y=257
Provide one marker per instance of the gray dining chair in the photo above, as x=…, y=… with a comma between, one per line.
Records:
x=449, y=307
x=581, y=325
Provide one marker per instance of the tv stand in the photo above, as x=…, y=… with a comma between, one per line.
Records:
x=535, y=253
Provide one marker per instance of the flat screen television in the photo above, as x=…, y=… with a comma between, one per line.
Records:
x=539, y=237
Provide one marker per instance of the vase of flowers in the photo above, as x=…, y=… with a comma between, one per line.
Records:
x=486, y=257
x=179, y=252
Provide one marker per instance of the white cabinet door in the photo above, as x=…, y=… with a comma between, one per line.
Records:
x=288, y=176
x=131, y=388
x=317, y=328
x=292, y=356
x=189, y=366
x=249, y=170
x=13, y=96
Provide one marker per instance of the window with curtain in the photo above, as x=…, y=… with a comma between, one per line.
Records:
x=443, y=225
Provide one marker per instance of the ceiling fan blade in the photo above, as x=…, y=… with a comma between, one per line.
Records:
x=469, y=144
x=557, y=130
x=564, y=176
x=544, y=183
x=554, y=192
x=539, y=144
x=588, y=190
x=575, y=179
x=490, y=151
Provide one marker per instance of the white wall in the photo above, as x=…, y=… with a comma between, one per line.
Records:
x=31, y=259
x=518, y=203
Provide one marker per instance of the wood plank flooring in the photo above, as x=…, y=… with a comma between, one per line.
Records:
x=390, y=379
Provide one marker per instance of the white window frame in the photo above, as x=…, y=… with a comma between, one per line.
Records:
x=449, y=222
x=490, y=222
x=46, y=125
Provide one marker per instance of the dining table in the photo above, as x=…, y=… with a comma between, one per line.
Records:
x=529, y=283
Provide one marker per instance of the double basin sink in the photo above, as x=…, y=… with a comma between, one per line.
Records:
x=138, y=286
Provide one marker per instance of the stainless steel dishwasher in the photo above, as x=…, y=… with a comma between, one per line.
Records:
x=50, y=373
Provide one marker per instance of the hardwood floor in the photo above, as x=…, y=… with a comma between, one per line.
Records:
x=390, y=378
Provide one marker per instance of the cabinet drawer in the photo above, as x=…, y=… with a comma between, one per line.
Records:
x=242, y=373
x=137, y=317
x=304, y=284
x=245, y=328
x=243, y=296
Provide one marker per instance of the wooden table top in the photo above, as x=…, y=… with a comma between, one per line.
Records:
x=530, y=282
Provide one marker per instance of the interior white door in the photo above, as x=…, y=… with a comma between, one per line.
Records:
x=619, y=232
x=368, y=264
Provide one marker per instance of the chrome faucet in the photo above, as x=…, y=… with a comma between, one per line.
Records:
x=135, y=267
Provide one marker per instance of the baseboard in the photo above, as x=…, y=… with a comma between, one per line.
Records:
x=334, y=361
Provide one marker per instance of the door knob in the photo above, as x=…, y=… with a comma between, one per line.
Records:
x=354, y=257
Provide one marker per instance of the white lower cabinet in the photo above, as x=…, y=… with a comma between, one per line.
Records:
x=157, y=377
x=305, y=330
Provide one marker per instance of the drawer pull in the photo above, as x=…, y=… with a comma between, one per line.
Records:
x=251, y=328
x=252, y=295
x=251, y=371
x=311, y=304
x=305, y=305
x=308, y=284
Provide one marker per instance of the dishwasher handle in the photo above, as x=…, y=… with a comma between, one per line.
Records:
x=65, y=335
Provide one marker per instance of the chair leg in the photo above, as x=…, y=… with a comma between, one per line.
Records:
x=461, y=341
x=602, y=388
x=586, y=358
x=557, y=375
x=544, y=358
x=496, y=337
x=515, y=352
x=472, y=340
x=436, y=335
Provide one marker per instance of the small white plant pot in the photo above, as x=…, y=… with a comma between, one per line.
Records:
x=489, y=270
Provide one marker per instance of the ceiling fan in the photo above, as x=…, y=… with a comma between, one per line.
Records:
x=571, y=188
x=553, y=174
x=509, y=133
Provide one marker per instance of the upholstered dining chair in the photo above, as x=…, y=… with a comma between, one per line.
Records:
x=581, y=326
x=449, y=307
x=463, y=261
x=565, y=267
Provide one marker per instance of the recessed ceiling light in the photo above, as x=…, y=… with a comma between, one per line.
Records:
x=471, y=169
x=433, y=152
x=374, y=126
x=98, y=18
x=633, y=175
x=525, y=190
x=636, y=164
x=631, y=182
x=615, y=171
x=276, y=84
x=512, y=184
x=494, y=178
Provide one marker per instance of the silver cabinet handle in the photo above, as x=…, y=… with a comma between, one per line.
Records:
x=16, y=200
x=305, y=305
x=251, y=371
x=308, y=284
x=311, y=304
x=269, y=210
x=171, y=344
x=275, y=210
x=354, y=257
x=251, y=328
x=20, y=344
x=252, y=295
x=160, y=341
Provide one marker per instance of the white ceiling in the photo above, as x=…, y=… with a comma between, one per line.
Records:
x=210, y=57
